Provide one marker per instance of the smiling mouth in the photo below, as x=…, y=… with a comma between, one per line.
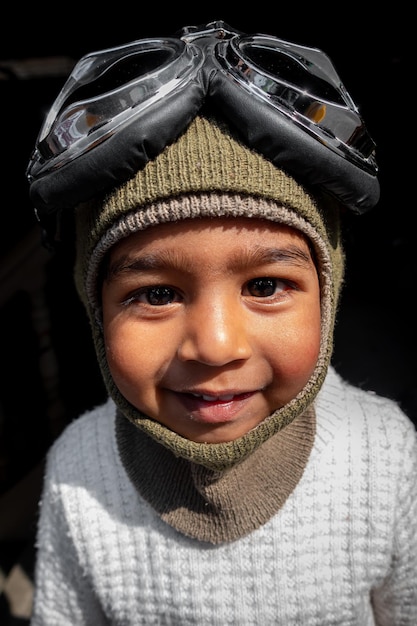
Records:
x=214, y=408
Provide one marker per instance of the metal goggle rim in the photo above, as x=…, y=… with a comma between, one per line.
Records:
x=78, y=121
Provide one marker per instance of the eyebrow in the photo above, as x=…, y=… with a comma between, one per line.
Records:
x=289, y=255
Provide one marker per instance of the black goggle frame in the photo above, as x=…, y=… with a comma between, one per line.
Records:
x=122, y=106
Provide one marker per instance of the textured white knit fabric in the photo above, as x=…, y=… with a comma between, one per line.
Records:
x=341, y=552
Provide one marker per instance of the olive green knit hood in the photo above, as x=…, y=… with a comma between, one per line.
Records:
x=208, y=172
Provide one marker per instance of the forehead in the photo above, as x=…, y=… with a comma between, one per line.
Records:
x=206, y=233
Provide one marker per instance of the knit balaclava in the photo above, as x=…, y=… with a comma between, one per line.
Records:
x=209, y=172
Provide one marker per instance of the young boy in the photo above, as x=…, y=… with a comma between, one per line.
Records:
x=232, y=477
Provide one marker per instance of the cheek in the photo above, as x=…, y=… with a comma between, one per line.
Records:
x=302, y=358
x=293, y=352
x=134, y=359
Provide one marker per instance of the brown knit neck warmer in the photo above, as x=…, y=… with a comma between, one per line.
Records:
x=211, y=505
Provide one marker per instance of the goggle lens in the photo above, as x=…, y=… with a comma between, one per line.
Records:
x=302, y=84
x=106, y=89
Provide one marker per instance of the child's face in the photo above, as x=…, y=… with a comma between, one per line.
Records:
x=211, y=324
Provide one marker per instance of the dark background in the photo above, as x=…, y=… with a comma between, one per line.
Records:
x=49, y=374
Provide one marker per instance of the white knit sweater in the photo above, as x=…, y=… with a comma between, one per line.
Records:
x=342, y=551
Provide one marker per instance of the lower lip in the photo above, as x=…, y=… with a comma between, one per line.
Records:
x=216, y=411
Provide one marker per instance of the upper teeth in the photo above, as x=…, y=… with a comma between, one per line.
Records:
x=213, y=398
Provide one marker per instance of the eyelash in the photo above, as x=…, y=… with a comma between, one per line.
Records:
x=159, y=290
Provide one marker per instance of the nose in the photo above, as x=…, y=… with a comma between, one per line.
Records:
x=215, y=333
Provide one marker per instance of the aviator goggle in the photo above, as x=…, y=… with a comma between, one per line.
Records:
x=122, y=106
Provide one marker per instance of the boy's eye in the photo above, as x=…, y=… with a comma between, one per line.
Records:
x=264, y=287
x=160, y=295
x=156, y=296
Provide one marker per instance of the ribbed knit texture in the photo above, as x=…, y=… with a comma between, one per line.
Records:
x=205, y=159
x=342, y=551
